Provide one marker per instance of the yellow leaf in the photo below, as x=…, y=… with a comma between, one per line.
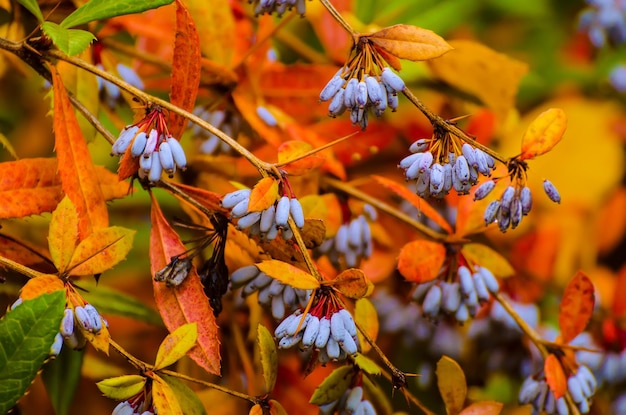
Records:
x=352, y=283
x=63, y=233
x=101, y=250
x=121, y=388
x=176, y=345
x=366, y=316
x=269, y=357
x=367, y=365
x=164, y=399
x=478, y=70
x=410, y=42
x=484, y=256
x=216, y=28
x=288, y=274
x=543, y=133
x=451, y=384
x=420, y=261
x=100, y=341
x=263, y=194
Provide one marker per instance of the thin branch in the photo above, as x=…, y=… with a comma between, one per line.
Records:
x=339, y=18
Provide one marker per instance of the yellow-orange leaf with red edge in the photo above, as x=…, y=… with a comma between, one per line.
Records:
x=576, y=307
x=410, y=42
x=419, y=203
x=353, y=283
x=484, y=256
x=420, y=261
x=164, y=399
x=543, y=133
x=101, y=251
x=452, y=385
x=555, y=376
x=185, y=68
x=187, y=302
x=79, y=178
x=63, y=234
x=483, y=408
x=288, y=274
x=291, y=150
x=263, y=194
x=34, y=287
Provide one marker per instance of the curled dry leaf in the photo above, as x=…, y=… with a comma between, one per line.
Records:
x=410, y=42
x=352, y=283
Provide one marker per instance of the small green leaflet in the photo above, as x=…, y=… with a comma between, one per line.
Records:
x=70, y=41
x=33, y=7
x=269, y=357
x=104, y=9
x=26, y=334
x=334, y=386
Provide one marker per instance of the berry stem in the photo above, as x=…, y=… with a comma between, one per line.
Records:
x=339, y=18
x=19, y=268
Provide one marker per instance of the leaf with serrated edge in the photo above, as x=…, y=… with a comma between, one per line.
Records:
x=176, y=345
x=452, y=385
x=576, y=307
x=420, y=261
x=352, y=283
x=104, y=9
x=263, y=194
x=121, y=388
x=61, y=377
x=366, y=315
x=484, y=256
x=35, y=287
x=555, y=376
x=419, y=203
x=63, y=234
x=367, y=365
x=101, y=250
x=483, y=408
x=289, y=275
x=333, y=387
x=269, y=357
x=33, y=7
x=79, y=178
x=70, y=41
x=410, y=42
x=543, y=133
x=164, y=399
x=188, y=400
x=26, y=334
x=186, y=303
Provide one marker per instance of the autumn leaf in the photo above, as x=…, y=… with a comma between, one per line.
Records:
x=484, y=256
x=410, y=42
x=216, y=29
x=34, y=287
x=555, y=376
x=101, y=251
x=121, y=387
x=292, y=150
x=352, y=283
x=452, y=385
x=206, y=198
x=326, y=208
x=187, y=302
x=164, y=398
x=543, y=133
x=483, y=408
x=420, y=261
x=63, y=233
x=367, y=316
x=269, y=357
x=185, y=68
x=263, y=194
x=576, y=307
x=289, y=275
x=78, y=174
x=176, y=345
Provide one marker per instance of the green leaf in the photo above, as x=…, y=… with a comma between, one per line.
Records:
x=26, y=334
x=104, y=9
x=123, y=387
x=70, y=41
x=33, y=7
x=367, y=365
x=333, y=387
x=112, y=302
x=188, y=399
x=61, y=377
x=269, y=357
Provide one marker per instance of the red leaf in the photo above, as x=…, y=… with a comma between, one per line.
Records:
x=555, y=376
x=420, y=261
x=185, y=68
x=576, y=307
x=619, y=305
x=79, y=178
x=187, y=302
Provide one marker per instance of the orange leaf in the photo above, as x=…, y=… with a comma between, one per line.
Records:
x=101, y=251
x=22, y=253
x=576, y=307
x=326, y=157
x=291, y=150
x=410, y=42
x=543, y=133
x=484, y=256
x=352, y=283
x=185, y=68
x=187, y=302
x=483, y=408
x=420, y=261
x=415, y=200
x=128, y=166
x=263, y=194
x=79, y=178
x=63, y=234
x=619, y=305
x=34, y=287
x=555, y=376
x=216, y=29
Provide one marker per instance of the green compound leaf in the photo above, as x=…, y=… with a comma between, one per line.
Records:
x=33, y=7
x=104, y=9
x=269, y=357
x=26, y=334
x=189, y=402
x=70, y=41
x=333, y=387
x=61, y=377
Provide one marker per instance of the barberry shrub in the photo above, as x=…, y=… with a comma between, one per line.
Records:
x=312, y=206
